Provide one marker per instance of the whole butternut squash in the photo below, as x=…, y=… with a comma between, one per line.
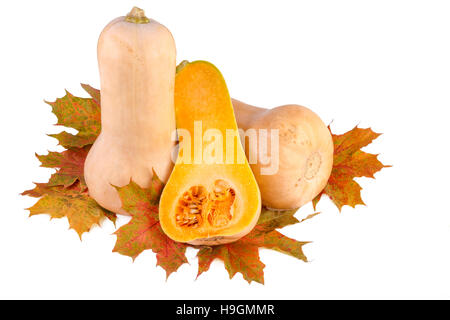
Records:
x=136, y=58
x=212, y=196
x=305, y=153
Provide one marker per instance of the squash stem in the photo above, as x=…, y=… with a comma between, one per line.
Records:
x=182, y=64
x=137, y=16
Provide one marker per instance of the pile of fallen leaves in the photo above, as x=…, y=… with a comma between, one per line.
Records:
x=66, y=195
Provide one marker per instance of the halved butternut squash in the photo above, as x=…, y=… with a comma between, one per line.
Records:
x=211, y=196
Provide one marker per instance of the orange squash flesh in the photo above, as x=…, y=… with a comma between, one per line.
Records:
x=207, y=202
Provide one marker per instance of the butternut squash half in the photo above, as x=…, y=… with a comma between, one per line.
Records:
x=136, y=58
x=212, y=196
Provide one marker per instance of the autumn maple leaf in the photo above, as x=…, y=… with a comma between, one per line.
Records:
x=144, y=231
x=82, y=114
x=243, y=255
x=350, y=162
x=72, y=202
x=69, y=165
x=66, y=194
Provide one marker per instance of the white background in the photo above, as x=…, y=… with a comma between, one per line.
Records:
x=384, y=64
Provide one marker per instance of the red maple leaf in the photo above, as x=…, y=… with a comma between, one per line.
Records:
x=144, y=230
x=69, y=165
x=243, y=255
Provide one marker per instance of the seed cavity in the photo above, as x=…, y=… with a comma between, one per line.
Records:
x=197, y=206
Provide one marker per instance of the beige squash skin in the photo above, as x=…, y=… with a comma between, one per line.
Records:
x=137, y=72
x=305, y=153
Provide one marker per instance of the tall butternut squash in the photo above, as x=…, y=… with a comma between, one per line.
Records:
x=136, y=58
